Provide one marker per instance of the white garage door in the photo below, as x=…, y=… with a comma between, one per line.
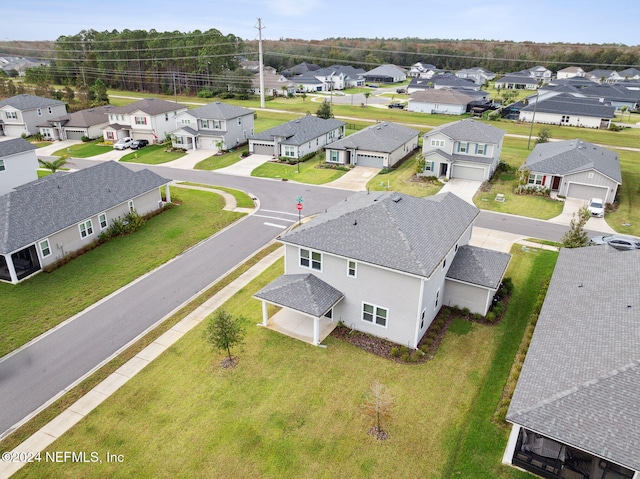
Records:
x=208, y=143
x=585, y=192
x=467, y=173
x=370, y=160
x=262, y=149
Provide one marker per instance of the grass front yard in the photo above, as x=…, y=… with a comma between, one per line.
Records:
x=304, y=172
x=85, y=150
x=291, y=410
x=215, y=162
x=153, y=155
x=40, y=303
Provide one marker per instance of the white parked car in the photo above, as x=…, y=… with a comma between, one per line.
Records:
x=123, y=143
x=596, y=207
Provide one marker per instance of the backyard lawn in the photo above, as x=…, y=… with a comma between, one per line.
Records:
x=292, y=410
x=305, y=172
x=40, y=303
x=153, y=155
x=85, y=150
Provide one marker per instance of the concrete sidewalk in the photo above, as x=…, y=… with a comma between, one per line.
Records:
x=355, y=179
x=83, y=406
x=245, y=166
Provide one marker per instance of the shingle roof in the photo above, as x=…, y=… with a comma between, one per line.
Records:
x=572, y=156
x=479, y=266
x=450, y=97
x=566, y=104
x=52, y=203
x=392, y=230
x=580, y=383
x=450, y=80
x=470, y=130
x=219, y=111
x=299, y=131
x=14, y=146
x=84, y=118
x=150, y=106
x=302, y=292
x=25, y=102
x=385, y=70
x=383, y=137
x=519, y=79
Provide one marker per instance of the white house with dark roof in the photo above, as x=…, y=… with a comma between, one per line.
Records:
x=441, y=101
x=575, y=169
x=18, y=164
x=215, y=126
x=569, y=110
x=575, y=407
x=570, y=72
x=465, y=149
x=334, y=77
x=384, y=264
x=21, y=114
x=42, y=221
x=385, y=74
x=149, y=119
x=74, y=126
x=379, y=146
x=479, y=75
x=297, y=138
x=517, y=81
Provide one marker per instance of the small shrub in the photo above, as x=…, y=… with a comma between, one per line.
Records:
x=85, y=139
x=395, y=352
x=498, y=308
x=476, y=316
x=407, y=357
x=404, y=351
x=466, y=312
x=490, y=317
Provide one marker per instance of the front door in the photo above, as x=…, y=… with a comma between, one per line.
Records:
x=555, y=184
x=443, y=169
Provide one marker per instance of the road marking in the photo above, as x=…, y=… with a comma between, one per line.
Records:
x=273, y=224
x=281, y=212
x=276, y=218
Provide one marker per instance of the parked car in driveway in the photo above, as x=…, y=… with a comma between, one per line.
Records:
x=123, y=143
x=137, y=144
x=621, y=242
x=396, y=105
x=596, y=207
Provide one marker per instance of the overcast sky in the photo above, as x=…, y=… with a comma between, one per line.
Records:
x=574, y=21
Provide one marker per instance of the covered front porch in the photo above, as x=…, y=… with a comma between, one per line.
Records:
x=307, y=307
x=18, y=265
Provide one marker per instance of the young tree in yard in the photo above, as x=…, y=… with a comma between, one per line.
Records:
x=224, y=331
x=54, y=165
x=377, y=404
x=577, y=237
x=324, y=110
x=367, y=94
x=543, y=135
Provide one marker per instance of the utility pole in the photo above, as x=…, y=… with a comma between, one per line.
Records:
x=533, y=118
x=175, y=93
x=260, y=60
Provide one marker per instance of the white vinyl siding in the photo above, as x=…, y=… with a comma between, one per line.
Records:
x=375, y=314
x=351, y=268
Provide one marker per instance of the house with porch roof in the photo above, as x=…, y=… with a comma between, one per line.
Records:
x=21, y=114
x=382, y=263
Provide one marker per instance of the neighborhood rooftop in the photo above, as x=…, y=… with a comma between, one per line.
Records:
x=384, y=137
x=219, y=111
x=470, y=130
x=151, y=106
x=580, y=383
x=31, y=212
x=300, y=131
x=29, y=102
x=14, y=146
x=388, y=229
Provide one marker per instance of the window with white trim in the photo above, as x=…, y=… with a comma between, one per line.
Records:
x=289, y=150
x=535, y=179
x=166, y=117
x=375, y=314
x=178, y=140
x=334, y=156
x=110, y=135
x=86, y=229
x=310, y=259
x=217, y=125
x=429, y=166
x=131, y=207
x=437, y=143
x=12, y=115
x=185, y=121
x=481, y=149
x=239, y=120
x=102, y=219
x=2, y=167
x=141, y=120
x=45, y=248
x=352, y=268
x=39, y=111
x=463, y=147
x=49, y=110
x=205, y=123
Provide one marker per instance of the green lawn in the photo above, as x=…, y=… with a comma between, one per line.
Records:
x=215, y=162
x=308, y=171
x=291, y=410
x=627, y=218
x=153, y=155
x=242, y=200
x=402, y=180
x=85, y=150
x=40, y=144
x=40, y=303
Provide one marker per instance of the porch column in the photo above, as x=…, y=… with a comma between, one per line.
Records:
x=265, y=314
x=167, y=193
x=316, y=331
x=12, y=270
x=511, y=444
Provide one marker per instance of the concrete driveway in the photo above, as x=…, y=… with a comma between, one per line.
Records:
x=356, y=179
x=571, y=207
x=191, y=159
x=465, y=189
x=55, y=146
x=245, y=166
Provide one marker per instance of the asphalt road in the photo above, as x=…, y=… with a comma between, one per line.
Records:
x=32, y=376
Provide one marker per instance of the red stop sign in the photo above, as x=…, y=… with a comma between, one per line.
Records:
x=299, y=206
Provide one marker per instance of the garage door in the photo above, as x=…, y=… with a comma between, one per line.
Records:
x=75, y=134
x=467, y=173
x=262, y=149
x=585, y=192
x=208, y=143
x=370, y=160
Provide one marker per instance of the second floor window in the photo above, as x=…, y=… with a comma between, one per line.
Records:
x=310, y=259
x=141, y=120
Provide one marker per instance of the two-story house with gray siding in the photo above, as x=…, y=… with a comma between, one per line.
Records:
x=464, y=149
x=297, y=138
x=21, y=114
x=216, y=126
x=150, y=119
x=378, y=146
x=384, y=264
x=42, y=221
x=18, y=164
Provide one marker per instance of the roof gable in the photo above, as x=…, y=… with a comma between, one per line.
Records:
x=150, y=106
x=470, y=130
x=382, y=137
x=219, y=111
x=25, y=102
x=299, y=131
x=15, y=146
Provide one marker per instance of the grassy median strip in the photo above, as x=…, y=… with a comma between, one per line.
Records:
x=40, y=303
x=292, y=410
